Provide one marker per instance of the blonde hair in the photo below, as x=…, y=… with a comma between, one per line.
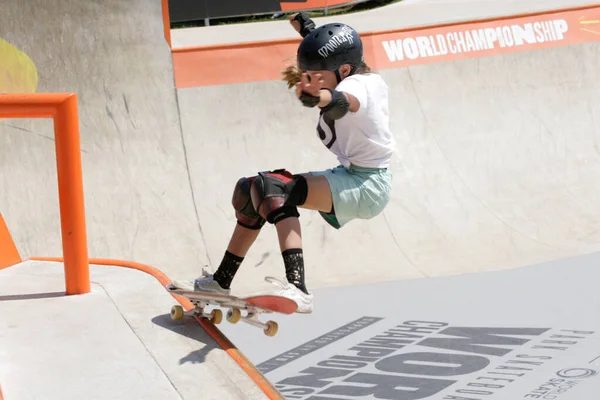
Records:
x=292, y=75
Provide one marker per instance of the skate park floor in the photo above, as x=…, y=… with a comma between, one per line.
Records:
x=116, y=342
x=513, y=334
x=510, y=334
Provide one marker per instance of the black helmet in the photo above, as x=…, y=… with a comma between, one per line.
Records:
x=329, y=47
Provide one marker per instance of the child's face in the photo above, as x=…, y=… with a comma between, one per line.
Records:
x=328, y=77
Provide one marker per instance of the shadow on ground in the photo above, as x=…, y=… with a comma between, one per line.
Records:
x=189, y=328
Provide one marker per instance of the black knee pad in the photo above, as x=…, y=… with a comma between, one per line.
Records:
x=276, y=194
x=242, y=203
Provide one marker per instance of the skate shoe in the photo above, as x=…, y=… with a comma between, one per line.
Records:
x=204, y=283
x=304, y=301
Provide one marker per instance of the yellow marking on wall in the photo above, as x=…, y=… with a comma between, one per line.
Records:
x=18, y=73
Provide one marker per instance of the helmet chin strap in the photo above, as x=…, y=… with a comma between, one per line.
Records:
x=339, y=77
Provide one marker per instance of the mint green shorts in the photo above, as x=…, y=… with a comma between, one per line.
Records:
x=357, y=192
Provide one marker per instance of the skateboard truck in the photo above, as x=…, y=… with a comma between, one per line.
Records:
x=234, y=315
x=215, y=316
x=253, y=305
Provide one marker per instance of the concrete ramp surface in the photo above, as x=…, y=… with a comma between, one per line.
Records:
x=493, y=226
x=497, y=164
x=116, y=342
x=498, y=170
x=138, y=202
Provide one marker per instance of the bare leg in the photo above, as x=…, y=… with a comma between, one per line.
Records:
x=241, y=240
x=289, y=234
x=319, y=194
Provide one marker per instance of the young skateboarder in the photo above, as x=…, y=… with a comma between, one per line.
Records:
x=353, y=123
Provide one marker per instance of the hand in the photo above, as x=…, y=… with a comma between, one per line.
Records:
x=295, y=23
x=309, y=93
x=302, y=23
x=312, y=88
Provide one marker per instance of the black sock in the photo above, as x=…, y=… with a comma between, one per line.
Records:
x=227, y=270
x=294, y=268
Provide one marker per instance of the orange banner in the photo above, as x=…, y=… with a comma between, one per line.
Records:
x=400, y=49
x=224, y=65
x=219, y=65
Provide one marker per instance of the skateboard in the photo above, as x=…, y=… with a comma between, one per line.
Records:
x=253, y=305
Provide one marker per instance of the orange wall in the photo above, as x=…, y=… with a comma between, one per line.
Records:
x=219, y=65
x=166, y=21
x=9, y=255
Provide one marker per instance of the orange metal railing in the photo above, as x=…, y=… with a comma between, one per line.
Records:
x=62, y=107
x=166, y=21
x=9, y=254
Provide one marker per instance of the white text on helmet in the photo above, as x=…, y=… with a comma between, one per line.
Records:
x=336, y=40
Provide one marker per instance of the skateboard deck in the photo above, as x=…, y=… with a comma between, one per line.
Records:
x=252, y=305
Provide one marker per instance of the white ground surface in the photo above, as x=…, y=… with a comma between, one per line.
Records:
x=116, y=342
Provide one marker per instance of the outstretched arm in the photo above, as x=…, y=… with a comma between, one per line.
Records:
x=302, y=23
x=313, y=95
x=325, y=97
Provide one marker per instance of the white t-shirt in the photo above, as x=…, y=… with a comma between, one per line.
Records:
x=362, y=138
